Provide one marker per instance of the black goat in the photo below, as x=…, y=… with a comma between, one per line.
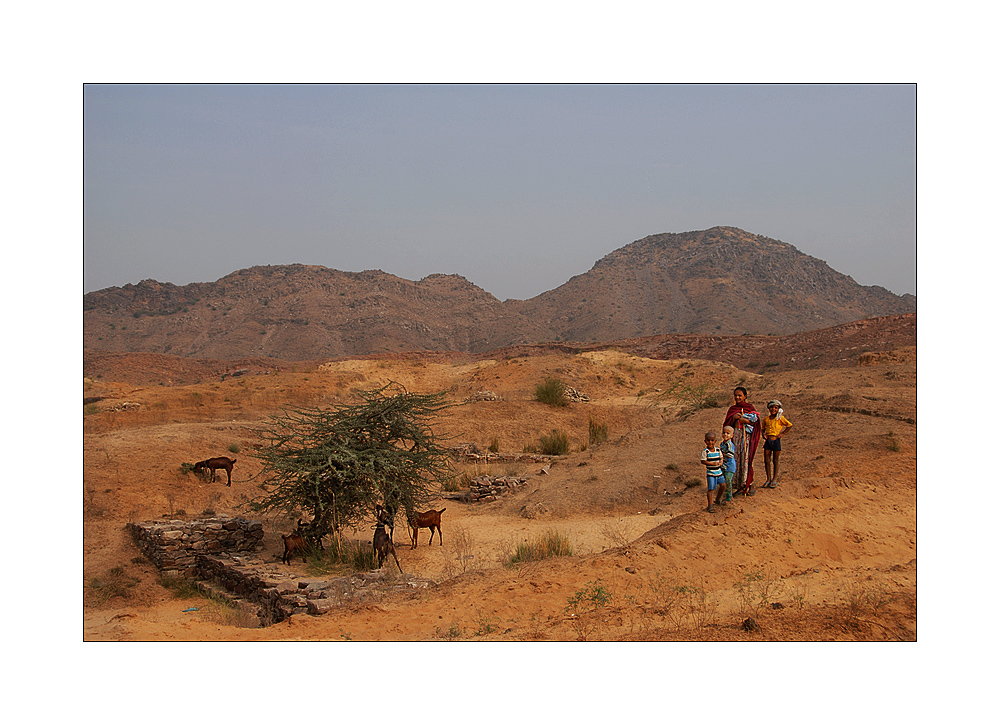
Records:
x=382, y=545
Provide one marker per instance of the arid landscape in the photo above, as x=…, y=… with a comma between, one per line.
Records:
x=830, y=554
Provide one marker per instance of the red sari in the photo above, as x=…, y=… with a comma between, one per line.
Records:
x=746, y=436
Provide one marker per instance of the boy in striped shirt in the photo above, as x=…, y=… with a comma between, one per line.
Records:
x=712, y=458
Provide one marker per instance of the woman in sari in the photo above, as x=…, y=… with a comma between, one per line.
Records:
x=746, y=426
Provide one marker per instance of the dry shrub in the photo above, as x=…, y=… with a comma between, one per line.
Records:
x=585, y=609
x=619, y=532
x=757, y=590
x=866, y=600
x=681, y=606
x=462, y=543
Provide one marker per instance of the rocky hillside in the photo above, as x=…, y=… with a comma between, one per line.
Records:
x=722, y=281
x=718, y=281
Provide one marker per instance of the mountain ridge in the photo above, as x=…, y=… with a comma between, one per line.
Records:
x=719, y=281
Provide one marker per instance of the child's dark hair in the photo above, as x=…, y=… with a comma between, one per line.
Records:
x=710, y=436
x=740, y=387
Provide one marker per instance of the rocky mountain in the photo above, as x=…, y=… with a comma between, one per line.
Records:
x=720, y=281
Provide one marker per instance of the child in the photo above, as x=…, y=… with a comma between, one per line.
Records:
x=773, y=427
x=712, y=458
x=728, y=449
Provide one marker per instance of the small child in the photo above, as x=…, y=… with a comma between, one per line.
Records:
x=712, y=458
x=728, y=449
x=773, y=427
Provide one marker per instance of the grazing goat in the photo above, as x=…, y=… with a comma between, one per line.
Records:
x=383, y=546
x=213, y=464
x=427, y=520
x=294, y=544
x=386, y=516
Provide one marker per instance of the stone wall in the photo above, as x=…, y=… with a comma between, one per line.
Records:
x=490, y=488
x=173, y=545
x=219, y=556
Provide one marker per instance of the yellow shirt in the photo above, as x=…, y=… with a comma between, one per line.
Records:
x=773, y=426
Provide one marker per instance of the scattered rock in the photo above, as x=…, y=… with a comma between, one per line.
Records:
x=534, y=511
x=482, y=395
x=489, y=488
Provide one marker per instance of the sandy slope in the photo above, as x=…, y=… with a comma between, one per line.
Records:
x=835, y=543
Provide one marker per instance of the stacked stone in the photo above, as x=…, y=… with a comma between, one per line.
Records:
x=173, y=546
x=490, y=488
x=217, y=554
x=575, y=395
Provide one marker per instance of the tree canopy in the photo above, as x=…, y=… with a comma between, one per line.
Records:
x=336, y=465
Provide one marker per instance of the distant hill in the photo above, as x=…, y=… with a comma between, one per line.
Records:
x=721, y=281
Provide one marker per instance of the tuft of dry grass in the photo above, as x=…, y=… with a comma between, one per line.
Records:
x=551, y=543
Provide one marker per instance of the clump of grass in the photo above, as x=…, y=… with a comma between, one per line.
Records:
x=179, y=586
x=494, y=445
x=340, y=558
x=90, y=409
x=892, y=442
x=187, y=468
x=116, y=583
x=552, y=392
x=598, y=432
x=451, y=634
x=551, y=543
x=554, y=444
x=234, y=448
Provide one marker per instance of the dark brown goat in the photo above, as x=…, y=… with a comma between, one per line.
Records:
x=387, y=517
x=426, y=520
x=295, y=544
x=213, y=464
x=383, y=546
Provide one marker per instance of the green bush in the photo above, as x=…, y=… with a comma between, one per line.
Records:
x=552, y=392
x=234, y=448
x=555, y=444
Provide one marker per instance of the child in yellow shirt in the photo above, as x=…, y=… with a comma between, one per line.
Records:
x=773, y=427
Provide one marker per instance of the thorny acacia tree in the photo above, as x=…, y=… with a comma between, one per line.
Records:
x=337, y=464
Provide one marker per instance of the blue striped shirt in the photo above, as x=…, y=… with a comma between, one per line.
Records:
x=714, y=459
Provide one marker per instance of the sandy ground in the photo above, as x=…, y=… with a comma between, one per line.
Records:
x=831, y=552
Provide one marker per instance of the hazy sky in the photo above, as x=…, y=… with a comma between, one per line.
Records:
x=517, y=188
